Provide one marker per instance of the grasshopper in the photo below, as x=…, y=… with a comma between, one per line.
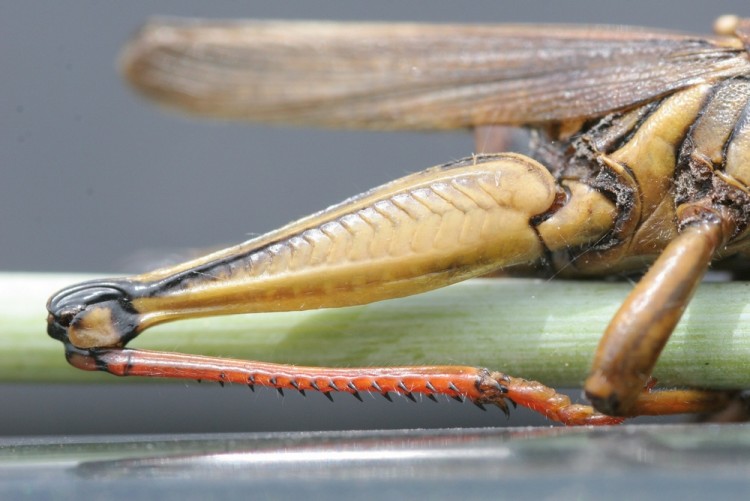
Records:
x=640, y=159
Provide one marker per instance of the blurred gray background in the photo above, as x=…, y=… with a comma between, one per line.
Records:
x=93, y=179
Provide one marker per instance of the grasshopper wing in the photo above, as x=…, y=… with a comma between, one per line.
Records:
x=416, y=76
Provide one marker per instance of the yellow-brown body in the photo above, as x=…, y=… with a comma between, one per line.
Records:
x=633, y=173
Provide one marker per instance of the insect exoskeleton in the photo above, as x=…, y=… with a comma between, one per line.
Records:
x=640, y=157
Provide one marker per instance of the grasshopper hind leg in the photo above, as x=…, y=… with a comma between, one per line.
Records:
x=433, y=228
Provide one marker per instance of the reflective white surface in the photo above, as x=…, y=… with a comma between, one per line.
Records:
x=644, y=462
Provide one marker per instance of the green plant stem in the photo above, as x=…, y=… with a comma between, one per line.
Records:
x=542, y=330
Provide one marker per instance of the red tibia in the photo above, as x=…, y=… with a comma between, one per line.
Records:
x=478, y=385
x=453, y=381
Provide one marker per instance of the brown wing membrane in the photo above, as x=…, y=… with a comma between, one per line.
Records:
x=410, y=76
